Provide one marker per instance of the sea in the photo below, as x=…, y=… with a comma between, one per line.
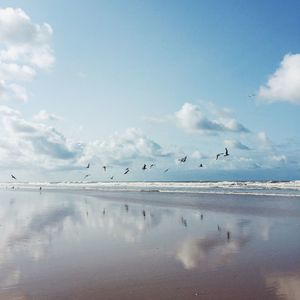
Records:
x=268, y=188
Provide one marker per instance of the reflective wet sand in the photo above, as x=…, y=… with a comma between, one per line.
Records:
x=91, y=245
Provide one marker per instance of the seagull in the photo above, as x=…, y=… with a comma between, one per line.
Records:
x=200, y=166
x=126, y=171
x=86, y=176
x=166, y=170
x=226, y=152
x=13, y=177
x=251, y=96
x=152, y=165
x=112, y=177
x=183, y=159
x=144, y=167
x=88, y=165
x=219, y=154
x=104, y=168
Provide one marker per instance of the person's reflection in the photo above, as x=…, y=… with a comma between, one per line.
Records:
x=183, y=221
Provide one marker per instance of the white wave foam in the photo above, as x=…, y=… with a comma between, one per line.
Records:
x=291, y=188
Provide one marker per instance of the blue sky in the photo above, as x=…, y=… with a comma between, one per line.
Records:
x=128, y=82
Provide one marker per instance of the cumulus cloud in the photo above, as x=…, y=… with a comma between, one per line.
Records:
x=24, y=48
x=198, y=155
x=32, y=143
x=25, y=143
x=236, y=144
x=9, y=91
x=192, y=119
x=264, y=141
x=24, y=40
x=125, y=147
x=284, y=84
x=43, y=116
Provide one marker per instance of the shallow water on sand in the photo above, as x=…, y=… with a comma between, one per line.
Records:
x=67, y=245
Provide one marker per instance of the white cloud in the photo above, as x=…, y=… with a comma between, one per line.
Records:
x=9, y=91
x=198, y=155
x=284, y=84
x=15, y=72
x=23, y=39
x=236, y=144
x=264, y=141
x=24, y=48
x=30, y=144
x=192, y=119
x=44, y=116
x=123, y=148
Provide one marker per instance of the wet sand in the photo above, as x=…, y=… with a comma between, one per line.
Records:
x=118, y=245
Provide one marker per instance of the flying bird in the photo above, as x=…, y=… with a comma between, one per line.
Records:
x=88, y=165
x=13, y=177
x=144, y=167
x=112, y=177
x=152, y=165
x=218, y=155
x=183, y=159
x=166, y=170
x=226, y=152
x=86, y=176
x=201, y=166
x=104, y=168
x=126, y=171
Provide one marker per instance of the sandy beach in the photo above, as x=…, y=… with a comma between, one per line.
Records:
x=137, y=245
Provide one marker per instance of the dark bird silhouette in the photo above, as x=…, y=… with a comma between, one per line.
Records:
x=200, y=166
x=144, y=213
x=88, y=165
x=151, y=166
x=144, y=167
x=183, y=159
x=104, y=168
x=13, y=177
x=218, y=155
x=226, y=152
x=112, y=177
x=166, y=170
x=86, y=176
x=126, y=171
x=228, y=235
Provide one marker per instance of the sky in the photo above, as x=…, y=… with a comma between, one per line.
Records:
x=123, y=83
